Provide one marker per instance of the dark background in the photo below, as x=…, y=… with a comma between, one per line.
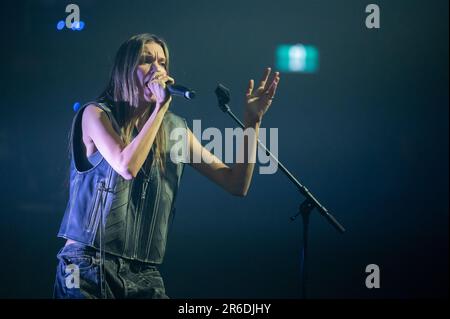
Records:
x=367, y=134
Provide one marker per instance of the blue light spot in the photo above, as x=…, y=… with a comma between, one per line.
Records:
x=76, y=106
x=60, y=25
x=75, y=26
x=78, y=26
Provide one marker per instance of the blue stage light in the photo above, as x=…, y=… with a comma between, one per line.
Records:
x=76, y=106
x=78, y=26
x=297, y=58
x=81, y=26
x=75, y=26
x=60, y=25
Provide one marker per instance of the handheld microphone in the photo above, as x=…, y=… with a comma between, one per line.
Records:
x=179, y=90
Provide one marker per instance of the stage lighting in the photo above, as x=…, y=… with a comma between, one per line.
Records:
x=297, y=58
x=78, y=26
x=76, y=106
x=61, y=24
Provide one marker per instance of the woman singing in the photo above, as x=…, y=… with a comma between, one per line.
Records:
x=123, y=182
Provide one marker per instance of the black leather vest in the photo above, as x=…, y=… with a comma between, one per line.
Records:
x=136, y=213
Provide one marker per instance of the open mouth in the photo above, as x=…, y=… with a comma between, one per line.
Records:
x=147, y=86
x=152, y=78
x=147, y=90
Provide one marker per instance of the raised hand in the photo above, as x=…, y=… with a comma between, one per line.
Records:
x=259, y=100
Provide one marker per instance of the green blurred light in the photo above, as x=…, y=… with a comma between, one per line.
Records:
x=297, y=58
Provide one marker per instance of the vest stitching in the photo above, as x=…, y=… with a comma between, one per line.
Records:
x=153, y=222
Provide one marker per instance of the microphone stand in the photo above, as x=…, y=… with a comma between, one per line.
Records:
x=305, y=208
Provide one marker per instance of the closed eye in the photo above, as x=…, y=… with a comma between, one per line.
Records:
x=149, y=59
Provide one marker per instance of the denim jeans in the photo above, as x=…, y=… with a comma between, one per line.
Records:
x=79, y=269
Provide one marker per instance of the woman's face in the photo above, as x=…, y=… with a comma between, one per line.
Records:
x=151, y=61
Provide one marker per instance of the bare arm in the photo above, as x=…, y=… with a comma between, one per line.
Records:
x=126, y=160
x=236, y=179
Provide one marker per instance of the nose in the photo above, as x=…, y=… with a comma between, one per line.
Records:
x=157, y=67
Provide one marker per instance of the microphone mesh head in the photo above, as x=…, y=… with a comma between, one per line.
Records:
x=189, y=95
x=223, y=94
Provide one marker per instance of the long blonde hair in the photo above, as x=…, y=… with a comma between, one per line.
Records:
x=122, y=90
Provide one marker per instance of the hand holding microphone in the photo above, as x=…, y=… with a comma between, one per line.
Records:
x=158, y=86
x=162, y=85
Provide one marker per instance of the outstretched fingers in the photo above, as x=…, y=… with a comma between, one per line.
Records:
x=273, y=87
x=263, y=83
x=251, y=85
